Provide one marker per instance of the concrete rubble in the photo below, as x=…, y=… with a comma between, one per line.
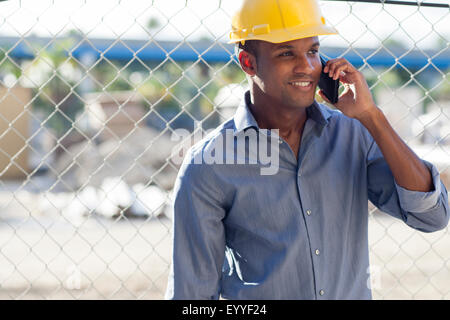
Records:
x=113, y=199
x=140, y=157
x=130, y=177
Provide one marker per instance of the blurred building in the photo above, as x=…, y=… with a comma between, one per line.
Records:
x=228, y=99
x=401, y=107
x=14, y=132
x=113, y=114
x=433, y=127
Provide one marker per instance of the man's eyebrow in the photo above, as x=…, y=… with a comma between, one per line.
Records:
x=289, y=47
x=284, y=46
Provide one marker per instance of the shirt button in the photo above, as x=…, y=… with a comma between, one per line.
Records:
x=321, y=292
x=280, y=141
x=317, y=252
x=308, y=212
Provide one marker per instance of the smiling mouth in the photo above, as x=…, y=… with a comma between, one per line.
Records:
x=301, y=84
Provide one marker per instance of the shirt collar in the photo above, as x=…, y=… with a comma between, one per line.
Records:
x=243, y=118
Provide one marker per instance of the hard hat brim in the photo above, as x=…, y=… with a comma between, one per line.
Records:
x=290, y=34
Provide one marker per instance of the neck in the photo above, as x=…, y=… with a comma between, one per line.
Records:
x=270, y=114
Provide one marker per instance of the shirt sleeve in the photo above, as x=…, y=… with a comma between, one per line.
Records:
x=424, y=211
x=198, y=234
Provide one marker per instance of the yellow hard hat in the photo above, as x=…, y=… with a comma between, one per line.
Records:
x=278, y=21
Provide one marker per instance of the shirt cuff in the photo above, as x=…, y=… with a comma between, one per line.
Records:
x=418, y=201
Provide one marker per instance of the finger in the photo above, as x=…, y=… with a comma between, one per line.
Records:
x=348, y=69
x=340, y=69
x=343, y=66
x=334, y=63
x=334, y=71
x=331, y=65
x=347, y=95
x=354, y=77
x=347, y=92
x=345, y=80
x=328, y=65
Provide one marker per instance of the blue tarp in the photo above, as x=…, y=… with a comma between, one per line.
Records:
x=212, y=52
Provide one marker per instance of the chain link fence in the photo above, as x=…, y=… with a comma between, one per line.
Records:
x=92, y=94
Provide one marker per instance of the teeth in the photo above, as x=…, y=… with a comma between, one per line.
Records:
x=301, y=84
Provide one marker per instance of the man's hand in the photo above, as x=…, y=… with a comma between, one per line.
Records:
x=358, y=104
x=407, y=168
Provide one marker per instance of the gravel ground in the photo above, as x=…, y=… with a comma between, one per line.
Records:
x=100, y=259
x=45, y=256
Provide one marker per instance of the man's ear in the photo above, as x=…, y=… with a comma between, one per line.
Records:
x=248, y=63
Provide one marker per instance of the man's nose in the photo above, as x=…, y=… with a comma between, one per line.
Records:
x=304, y=65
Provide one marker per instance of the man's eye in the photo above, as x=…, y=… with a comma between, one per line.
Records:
x=314, y=51
x=286, y=54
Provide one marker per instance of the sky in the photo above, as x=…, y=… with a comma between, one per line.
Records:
x=359, y=24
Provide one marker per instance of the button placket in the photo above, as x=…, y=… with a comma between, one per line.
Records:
x=309, y=222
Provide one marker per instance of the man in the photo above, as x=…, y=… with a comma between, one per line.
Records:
x=301, y=233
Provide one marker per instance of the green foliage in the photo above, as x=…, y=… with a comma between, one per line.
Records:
x=57, y=96
x=8, y=65
x=175, y=86
x=153, y=23
x=442, y=90
x=110, y=76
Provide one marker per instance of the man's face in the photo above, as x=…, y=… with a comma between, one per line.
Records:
x=289, y=72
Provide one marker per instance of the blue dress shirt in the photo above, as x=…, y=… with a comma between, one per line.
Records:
x=301, y=233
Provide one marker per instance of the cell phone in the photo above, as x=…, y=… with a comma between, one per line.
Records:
x=329, y=86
